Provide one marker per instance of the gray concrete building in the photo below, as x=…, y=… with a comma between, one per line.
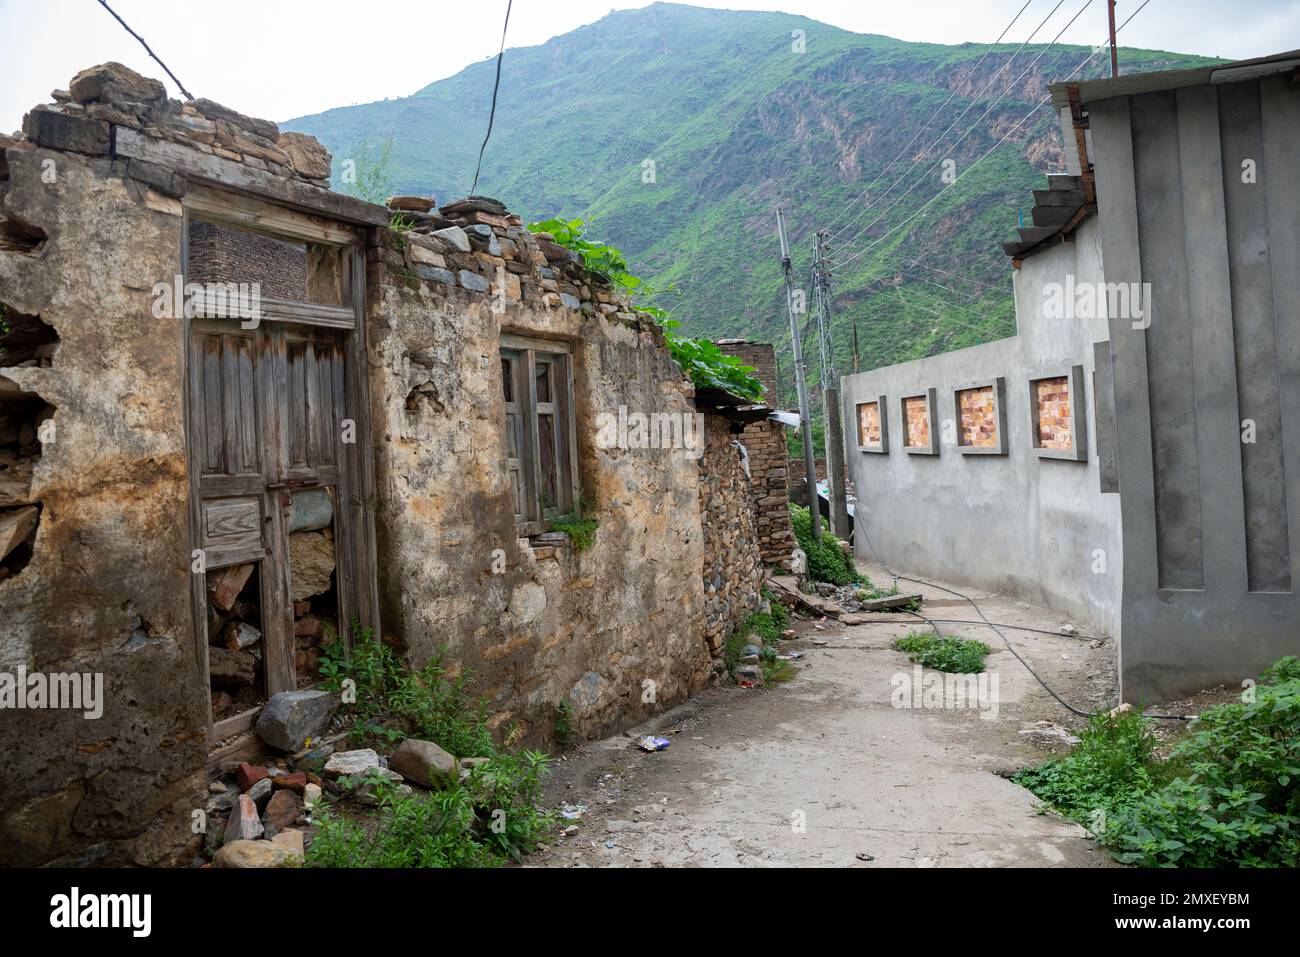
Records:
x=1129, y=456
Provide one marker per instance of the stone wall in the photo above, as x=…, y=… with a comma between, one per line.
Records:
x=94, y=498
x=766, y=443
x=617, y=630
x=733, y=564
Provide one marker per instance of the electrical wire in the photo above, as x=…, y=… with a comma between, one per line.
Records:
x=903, y=152
x=187, y=94
x=496, y=85
x=858, y=528
x=925, y=176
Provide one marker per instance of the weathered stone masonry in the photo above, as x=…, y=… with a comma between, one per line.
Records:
x=87, y=228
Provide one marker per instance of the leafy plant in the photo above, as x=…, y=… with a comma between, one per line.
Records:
x=370, y=178
x=827, y=562
x=401, y=224
x=427, y=704
x=579, y=525
x=707, y=366
x=488, y=816
x=953, y=655
x=1111, y=768
x=565, y=734
x=1226, y=796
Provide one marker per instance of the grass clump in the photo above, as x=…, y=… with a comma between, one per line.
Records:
x=827, y=562
x=762, y=629
x=1228, y=794
x=487, y=817
x=953, y=655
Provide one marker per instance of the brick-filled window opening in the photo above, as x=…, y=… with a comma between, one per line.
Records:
x=977, y=417
x=916, y=422
x=869, y=423
x=537, y=385
x=1052, y=409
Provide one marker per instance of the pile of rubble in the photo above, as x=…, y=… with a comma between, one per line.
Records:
x=261, y=814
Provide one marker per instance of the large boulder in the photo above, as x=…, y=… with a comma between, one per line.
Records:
x=290, y=718
x=424, y=763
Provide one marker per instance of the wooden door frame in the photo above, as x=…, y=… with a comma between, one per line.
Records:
x=355, y=544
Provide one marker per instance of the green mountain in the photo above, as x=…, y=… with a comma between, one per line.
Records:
x=737, y=121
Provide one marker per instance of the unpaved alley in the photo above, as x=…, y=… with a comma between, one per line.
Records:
x=871, y=784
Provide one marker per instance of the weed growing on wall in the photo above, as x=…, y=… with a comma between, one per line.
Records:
x=762, y=629
x=827, y=562
x=953, y=655
x=1228, y=795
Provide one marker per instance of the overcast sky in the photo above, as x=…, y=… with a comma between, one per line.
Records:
x=284, y=58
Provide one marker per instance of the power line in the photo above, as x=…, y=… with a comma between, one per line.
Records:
x=927, y=123
x=867, y=228
x=1004, y=138
x=496, y=85
x=969, y=106
x=188, y=95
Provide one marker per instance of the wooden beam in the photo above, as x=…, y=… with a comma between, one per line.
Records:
x=221, y=172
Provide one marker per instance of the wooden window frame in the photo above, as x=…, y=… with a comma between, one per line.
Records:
x=525, y=353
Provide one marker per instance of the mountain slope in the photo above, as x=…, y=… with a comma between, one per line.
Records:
x=735, y=123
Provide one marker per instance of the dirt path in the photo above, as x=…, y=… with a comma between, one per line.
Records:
x=874, y=785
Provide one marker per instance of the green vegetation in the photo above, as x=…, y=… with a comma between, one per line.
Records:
x=732, y=118
x=565, y=734
x=401, y=224
x=1226, y=796
x=706, y=364
x=762, y=629
x=581, y=531
x=827, y=562
x=370, y=175
x=953, y=655
x=486, y=818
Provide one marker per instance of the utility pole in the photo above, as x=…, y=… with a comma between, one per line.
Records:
x=1114, y=53
x=805, y=423
x=832, y=415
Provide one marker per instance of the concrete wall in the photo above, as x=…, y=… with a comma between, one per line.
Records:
x=1037, y=528
x=1211, y=522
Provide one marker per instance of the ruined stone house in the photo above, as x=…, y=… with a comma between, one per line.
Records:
x=198, y=491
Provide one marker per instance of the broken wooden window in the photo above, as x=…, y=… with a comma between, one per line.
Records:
x=540, y=442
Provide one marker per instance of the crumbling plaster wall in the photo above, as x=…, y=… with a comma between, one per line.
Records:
x=615, y=630
x=106, y=590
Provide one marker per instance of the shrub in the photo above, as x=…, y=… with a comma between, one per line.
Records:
x=1226, y=796
x=827, y=562
x=954, y=655
x=1234, y=797
x=483, y=819
x=1111, y=767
